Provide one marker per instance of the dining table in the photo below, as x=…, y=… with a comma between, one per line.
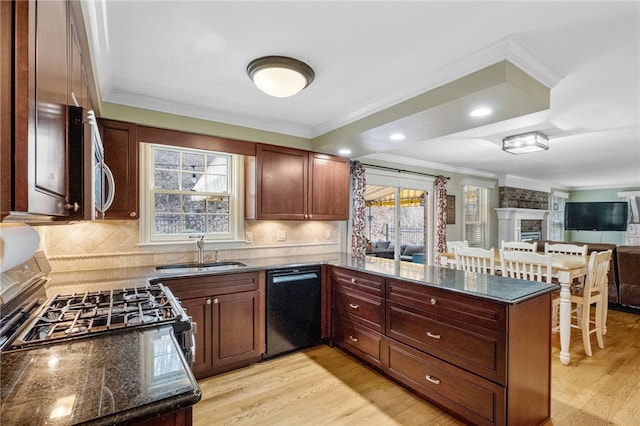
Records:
x=565, y=269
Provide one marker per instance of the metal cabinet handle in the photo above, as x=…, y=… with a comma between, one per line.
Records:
x=353, y=306
x=433, y=380
x=215, y=301
x=353, y=280
x=133, y=214
x=433, y=301
x=353, y=339
x=433, y=336
x=208, y=301
x=74, y=207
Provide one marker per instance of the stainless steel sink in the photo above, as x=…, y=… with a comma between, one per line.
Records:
x=200, y=267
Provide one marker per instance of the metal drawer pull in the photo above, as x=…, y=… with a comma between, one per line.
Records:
x=353, y=280
x=353, y=339
x=433, y=336
x=433, y=380
x=433, y=301
x=354, y=306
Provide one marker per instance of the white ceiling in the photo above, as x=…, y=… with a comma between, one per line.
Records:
x=189, y=58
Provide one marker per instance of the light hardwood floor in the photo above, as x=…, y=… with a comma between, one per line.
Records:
x=324, y=386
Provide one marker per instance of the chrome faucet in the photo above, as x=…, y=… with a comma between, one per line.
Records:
x=200, y=246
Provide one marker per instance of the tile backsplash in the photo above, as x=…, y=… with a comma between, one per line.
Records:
x=95, y=245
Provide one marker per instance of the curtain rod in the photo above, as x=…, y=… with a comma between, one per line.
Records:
x=401, y=170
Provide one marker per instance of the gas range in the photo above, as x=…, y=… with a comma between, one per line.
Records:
x=30, y=320
x=78, y=315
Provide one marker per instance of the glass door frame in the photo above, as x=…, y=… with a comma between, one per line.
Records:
x=399, y=180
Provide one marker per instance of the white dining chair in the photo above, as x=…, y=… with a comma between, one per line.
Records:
x=518, y=246
x=475, y=259
x=451, y=245
x=593, y=292
x=525, y=265
x=568, y=249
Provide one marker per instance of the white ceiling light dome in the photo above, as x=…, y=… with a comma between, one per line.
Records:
x=280, y=76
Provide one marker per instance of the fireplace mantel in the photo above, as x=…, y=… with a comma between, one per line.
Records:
x=509, y=222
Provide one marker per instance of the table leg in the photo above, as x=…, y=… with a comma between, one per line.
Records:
x=565, y=321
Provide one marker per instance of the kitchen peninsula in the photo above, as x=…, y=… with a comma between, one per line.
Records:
x=490, y=359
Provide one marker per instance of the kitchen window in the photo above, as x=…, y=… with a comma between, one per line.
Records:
x=189, y=192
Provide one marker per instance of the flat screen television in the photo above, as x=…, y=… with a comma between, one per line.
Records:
x=596, y=216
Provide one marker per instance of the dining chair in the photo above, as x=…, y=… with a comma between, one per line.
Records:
x=475, y=259
x=518, y=246
x=524, y=265
x=593, y=292
x=451, y=245
x=568, y=249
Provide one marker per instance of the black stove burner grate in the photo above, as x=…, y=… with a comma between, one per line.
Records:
x=77, y=315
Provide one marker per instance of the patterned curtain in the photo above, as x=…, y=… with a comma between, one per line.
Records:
x=358, y=224
x=441, y=217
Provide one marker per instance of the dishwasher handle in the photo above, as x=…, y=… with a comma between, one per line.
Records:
x=277, y=279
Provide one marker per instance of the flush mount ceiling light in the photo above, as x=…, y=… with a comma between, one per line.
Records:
x=525, y=143
x=280, y=76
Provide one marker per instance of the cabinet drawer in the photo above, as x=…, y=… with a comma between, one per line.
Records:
x=473, y=348
x=366, y=283
x=361, y=341
x=360, y=307
x=210, y=285
x=458, y=308
x=480, y=401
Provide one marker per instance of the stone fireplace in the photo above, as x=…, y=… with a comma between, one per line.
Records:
x=523, y=214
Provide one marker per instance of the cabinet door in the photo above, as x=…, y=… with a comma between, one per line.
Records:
x=121, y=155
x=235, y=324
x=282, y=181
x=199, y=309
x=329, y=187
x=40, y=152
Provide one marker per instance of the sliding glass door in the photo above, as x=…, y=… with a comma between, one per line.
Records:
x=399, y=217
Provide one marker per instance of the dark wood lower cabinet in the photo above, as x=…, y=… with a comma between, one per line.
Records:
x=235, y=328
x=228, y=316
x=477, y=400
x=486, y=362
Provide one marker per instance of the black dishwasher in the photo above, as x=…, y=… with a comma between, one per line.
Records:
x=293, y=310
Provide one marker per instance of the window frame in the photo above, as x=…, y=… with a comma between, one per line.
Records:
x=483, y=203
x=236, y=199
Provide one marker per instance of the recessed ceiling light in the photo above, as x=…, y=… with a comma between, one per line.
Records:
x=481, y=112
x=344, y=151
x=396, y=136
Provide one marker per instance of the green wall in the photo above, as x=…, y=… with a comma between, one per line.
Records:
x=611, y=237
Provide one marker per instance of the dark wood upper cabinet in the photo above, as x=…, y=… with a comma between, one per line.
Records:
x=121, y=155
x=40, y=114
x=42, y=74
x=293, y=184
x=328, y=187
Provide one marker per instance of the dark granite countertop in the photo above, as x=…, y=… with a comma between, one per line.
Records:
x=107, y=379
x=496, y=288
